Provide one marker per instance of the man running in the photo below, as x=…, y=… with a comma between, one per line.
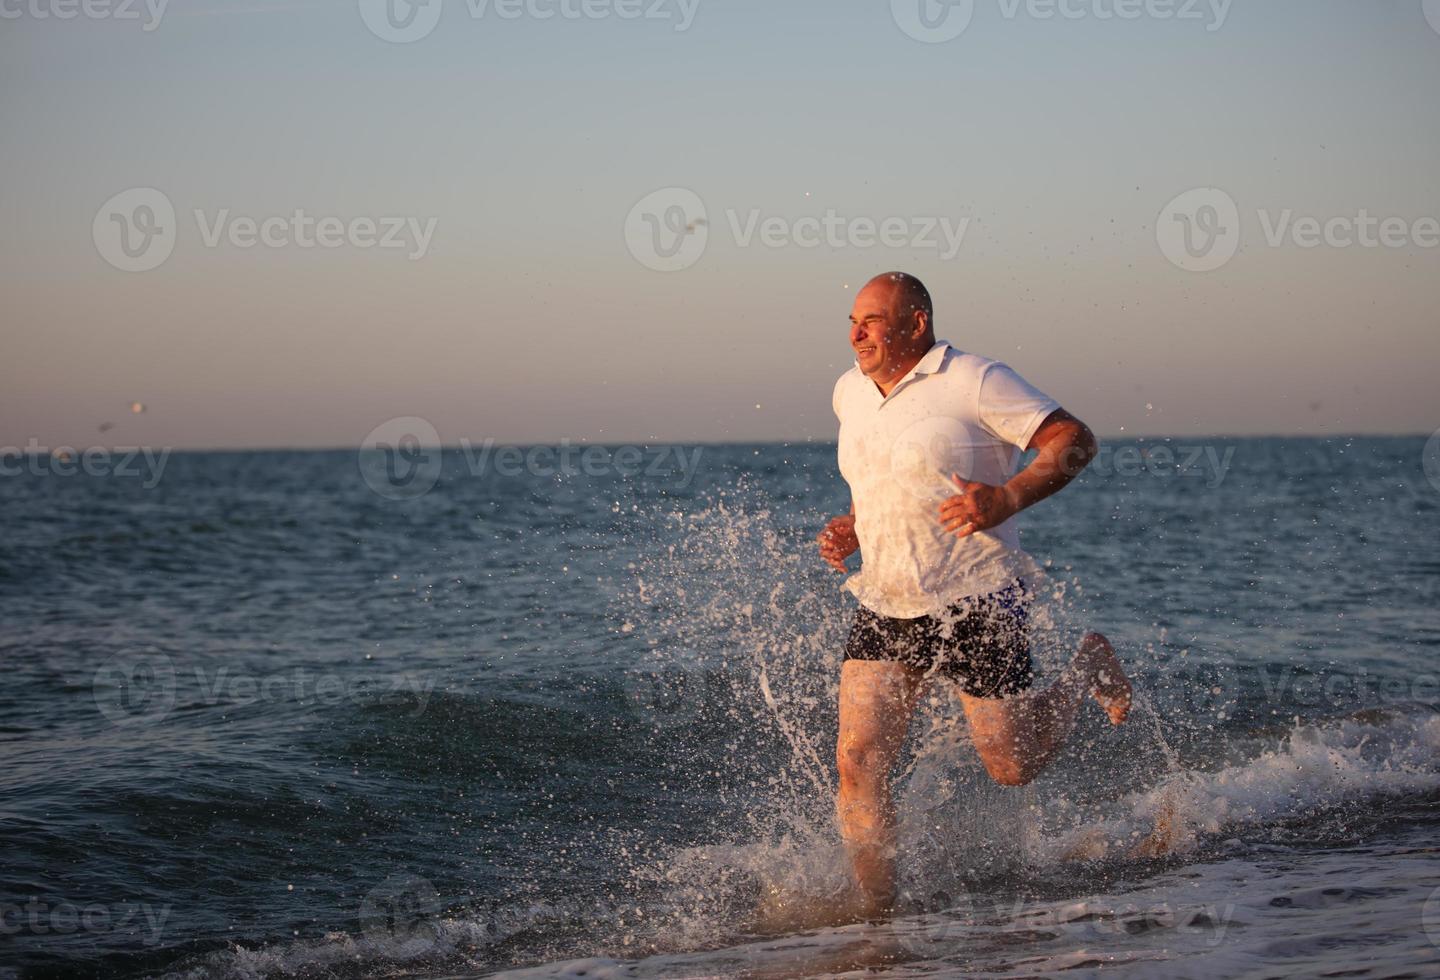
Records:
x=930, y=438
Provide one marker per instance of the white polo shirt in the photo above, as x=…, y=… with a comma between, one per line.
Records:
x=953, y=413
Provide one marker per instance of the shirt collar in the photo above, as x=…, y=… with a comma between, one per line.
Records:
x=933, y=358
x=928, y=364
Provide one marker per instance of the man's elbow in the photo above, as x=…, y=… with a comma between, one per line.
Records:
x=1079, y=447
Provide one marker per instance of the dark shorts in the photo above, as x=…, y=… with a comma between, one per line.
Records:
x=982, y=643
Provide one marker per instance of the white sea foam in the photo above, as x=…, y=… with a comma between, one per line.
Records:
x=1312, y=767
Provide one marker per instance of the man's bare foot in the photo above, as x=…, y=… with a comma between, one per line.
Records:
x=782, y=911
x=1109, y=685
x=1162, y=839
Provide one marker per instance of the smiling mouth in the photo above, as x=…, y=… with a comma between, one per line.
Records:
x=864, y=350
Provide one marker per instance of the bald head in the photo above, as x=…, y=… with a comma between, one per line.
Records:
x=890, y=328
x=907, y=296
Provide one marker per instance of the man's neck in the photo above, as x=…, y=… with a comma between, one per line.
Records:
x=900, y=373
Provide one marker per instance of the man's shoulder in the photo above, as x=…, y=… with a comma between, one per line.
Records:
x=979, y=372
x=958, y=360
x=963, y=369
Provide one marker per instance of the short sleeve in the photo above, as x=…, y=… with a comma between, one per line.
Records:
x=835, y=396
x=1011, y=408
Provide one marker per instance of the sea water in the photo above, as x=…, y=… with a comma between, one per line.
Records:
x=261, y=720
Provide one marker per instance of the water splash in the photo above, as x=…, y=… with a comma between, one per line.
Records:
x=735, y=587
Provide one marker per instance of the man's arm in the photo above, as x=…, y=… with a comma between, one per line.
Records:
x=1064, y=446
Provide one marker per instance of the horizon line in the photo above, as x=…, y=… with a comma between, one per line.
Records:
x=781, y=443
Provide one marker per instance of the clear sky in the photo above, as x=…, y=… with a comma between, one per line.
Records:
x=1056, y=142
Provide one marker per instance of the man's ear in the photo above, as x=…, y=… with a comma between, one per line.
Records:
x=922, y=324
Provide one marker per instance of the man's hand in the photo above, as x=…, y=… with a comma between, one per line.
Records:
x=838, y=541
x=1063, y=447
x=978, y=507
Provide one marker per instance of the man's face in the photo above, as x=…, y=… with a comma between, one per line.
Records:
x=884, y=341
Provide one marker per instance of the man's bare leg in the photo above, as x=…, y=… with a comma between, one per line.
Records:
x=1017, y=736
x=877, y=699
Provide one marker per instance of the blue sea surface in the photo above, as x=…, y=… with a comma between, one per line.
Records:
x=292, y=714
